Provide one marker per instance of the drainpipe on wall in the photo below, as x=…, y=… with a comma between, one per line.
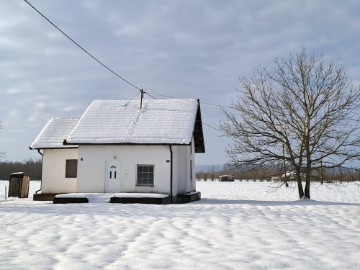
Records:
x=171, y=173
x=41, y=154
x=42, y=160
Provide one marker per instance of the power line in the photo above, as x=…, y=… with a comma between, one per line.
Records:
x=211, y=127
x=205, y=103
x=217, y=105
x=127, y=103
x=205, y=124
x=165, y=96
x=78, y=45
x=108, y=68
x=150, y=95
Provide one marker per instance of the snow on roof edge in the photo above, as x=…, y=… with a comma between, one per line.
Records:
x=39, y=144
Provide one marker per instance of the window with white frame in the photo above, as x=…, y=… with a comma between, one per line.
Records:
x=71, y=168
x=145, y=175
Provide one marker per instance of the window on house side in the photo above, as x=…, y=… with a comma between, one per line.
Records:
x=71, y=168
x=145, y=175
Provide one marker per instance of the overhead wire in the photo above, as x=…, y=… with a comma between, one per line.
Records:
x=150, y=95
x=210, y=126
x=127, y=103
x=217, y=105
x=82, y=48
x=115, y=73
x=202, y=102
x=165, y=96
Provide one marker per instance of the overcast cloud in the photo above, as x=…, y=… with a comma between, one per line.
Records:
x=183, y=49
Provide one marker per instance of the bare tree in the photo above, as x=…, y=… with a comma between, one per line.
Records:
x=303, y=111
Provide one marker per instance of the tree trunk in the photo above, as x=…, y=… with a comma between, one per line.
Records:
x=300, y=187
x=307, y=189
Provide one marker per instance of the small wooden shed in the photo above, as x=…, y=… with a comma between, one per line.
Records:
x=19, y=185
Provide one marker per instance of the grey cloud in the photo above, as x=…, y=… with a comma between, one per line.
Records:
x=192, y=49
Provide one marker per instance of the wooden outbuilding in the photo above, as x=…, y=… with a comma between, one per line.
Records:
x=19, y=185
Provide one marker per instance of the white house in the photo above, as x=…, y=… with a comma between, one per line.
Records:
x=58, y=176
x=118, y=147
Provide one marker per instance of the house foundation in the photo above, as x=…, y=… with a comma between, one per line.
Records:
x=128, y=198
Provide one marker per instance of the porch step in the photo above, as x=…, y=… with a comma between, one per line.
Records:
x=188, y=197
x=142, y=200
x=64, y=200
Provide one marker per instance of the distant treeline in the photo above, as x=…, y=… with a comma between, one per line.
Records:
x=30, y=167
x=267, y=173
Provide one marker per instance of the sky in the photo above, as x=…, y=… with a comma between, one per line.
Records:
x=177, y=48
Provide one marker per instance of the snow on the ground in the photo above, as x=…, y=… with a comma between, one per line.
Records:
x=236, y=225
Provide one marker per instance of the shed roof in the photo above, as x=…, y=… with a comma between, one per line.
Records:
x=54, y=133
x=160, y=121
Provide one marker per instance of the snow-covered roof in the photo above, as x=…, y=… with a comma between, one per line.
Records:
x=160, y=121
x=54, y=133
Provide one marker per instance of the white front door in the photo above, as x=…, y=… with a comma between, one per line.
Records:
x=112, y=179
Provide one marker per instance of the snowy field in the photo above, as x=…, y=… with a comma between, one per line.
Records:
x=238, y=225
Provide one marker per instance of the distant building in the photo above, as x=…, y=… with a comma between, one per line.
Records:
x=226, y=178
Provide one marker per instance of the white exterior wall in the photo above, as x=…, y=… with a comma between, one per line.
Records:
x=183, y=174
x=93, y=160
x=53, y=171
x=193, y=171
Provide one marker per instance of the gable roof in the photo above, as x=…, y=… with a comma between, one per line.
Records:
x=54, y=133
x=160, y=121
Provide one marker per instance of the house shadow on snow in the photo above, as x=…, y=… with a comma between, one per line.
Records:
x=271, y=203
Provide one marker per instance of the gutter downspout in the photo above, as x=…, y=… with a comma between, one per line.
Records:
x=42, y=159
x=40, y=153
x=171, y=173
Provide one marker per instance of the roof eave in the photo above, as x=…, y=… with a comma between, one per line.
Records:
x=53, y=147
x=124, y=143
